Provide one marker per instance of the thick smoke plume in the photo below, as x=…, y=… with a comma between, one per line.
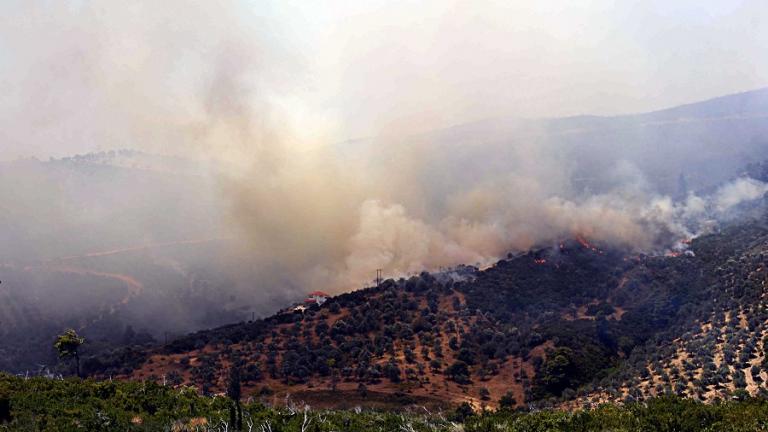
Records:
x=308, y=210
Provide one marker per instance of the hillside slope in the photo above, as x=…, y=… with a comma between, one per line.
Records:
x=112, y=244
x=572, y=322
x=720, y=352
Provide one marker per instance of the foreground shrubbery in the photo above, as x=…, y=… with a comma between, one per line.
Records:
x=39, y=404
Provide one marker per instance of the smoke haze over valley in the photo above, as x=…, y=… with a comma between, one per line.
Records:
x=176, y=167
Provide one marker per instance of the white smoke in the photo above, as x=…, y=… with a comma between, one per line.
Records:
x=737, y=192
x=214, y=82
x=389, y=238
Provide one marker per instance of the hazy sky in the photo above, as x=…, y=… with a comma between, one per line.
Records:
x=81, y=75
x=446, y=62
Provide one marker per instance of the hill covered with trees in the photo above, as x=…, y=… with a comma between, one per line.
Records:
x=570, y=324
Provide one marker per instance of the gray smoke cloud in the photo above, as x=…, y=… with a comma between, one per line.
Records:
x=303, y=209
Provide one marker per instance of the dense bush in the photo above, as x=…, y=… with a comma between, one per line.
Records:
x=39, y=404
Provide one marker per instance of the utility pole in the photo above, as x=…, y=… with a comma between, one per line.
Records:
x=378, y=277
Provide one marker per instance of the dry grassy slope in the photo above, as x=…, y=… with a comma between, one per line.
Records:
x=428, y=387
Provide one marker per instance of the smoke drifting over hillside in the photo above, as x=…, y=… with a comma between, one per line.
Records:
x=309, y=210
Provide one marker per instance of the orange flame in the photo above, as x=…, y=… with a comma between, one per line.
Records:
x=586, y=244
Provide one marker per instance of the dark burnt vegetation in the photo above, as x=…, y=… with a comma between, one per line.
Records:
x=595, y=307
x=717, y=348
